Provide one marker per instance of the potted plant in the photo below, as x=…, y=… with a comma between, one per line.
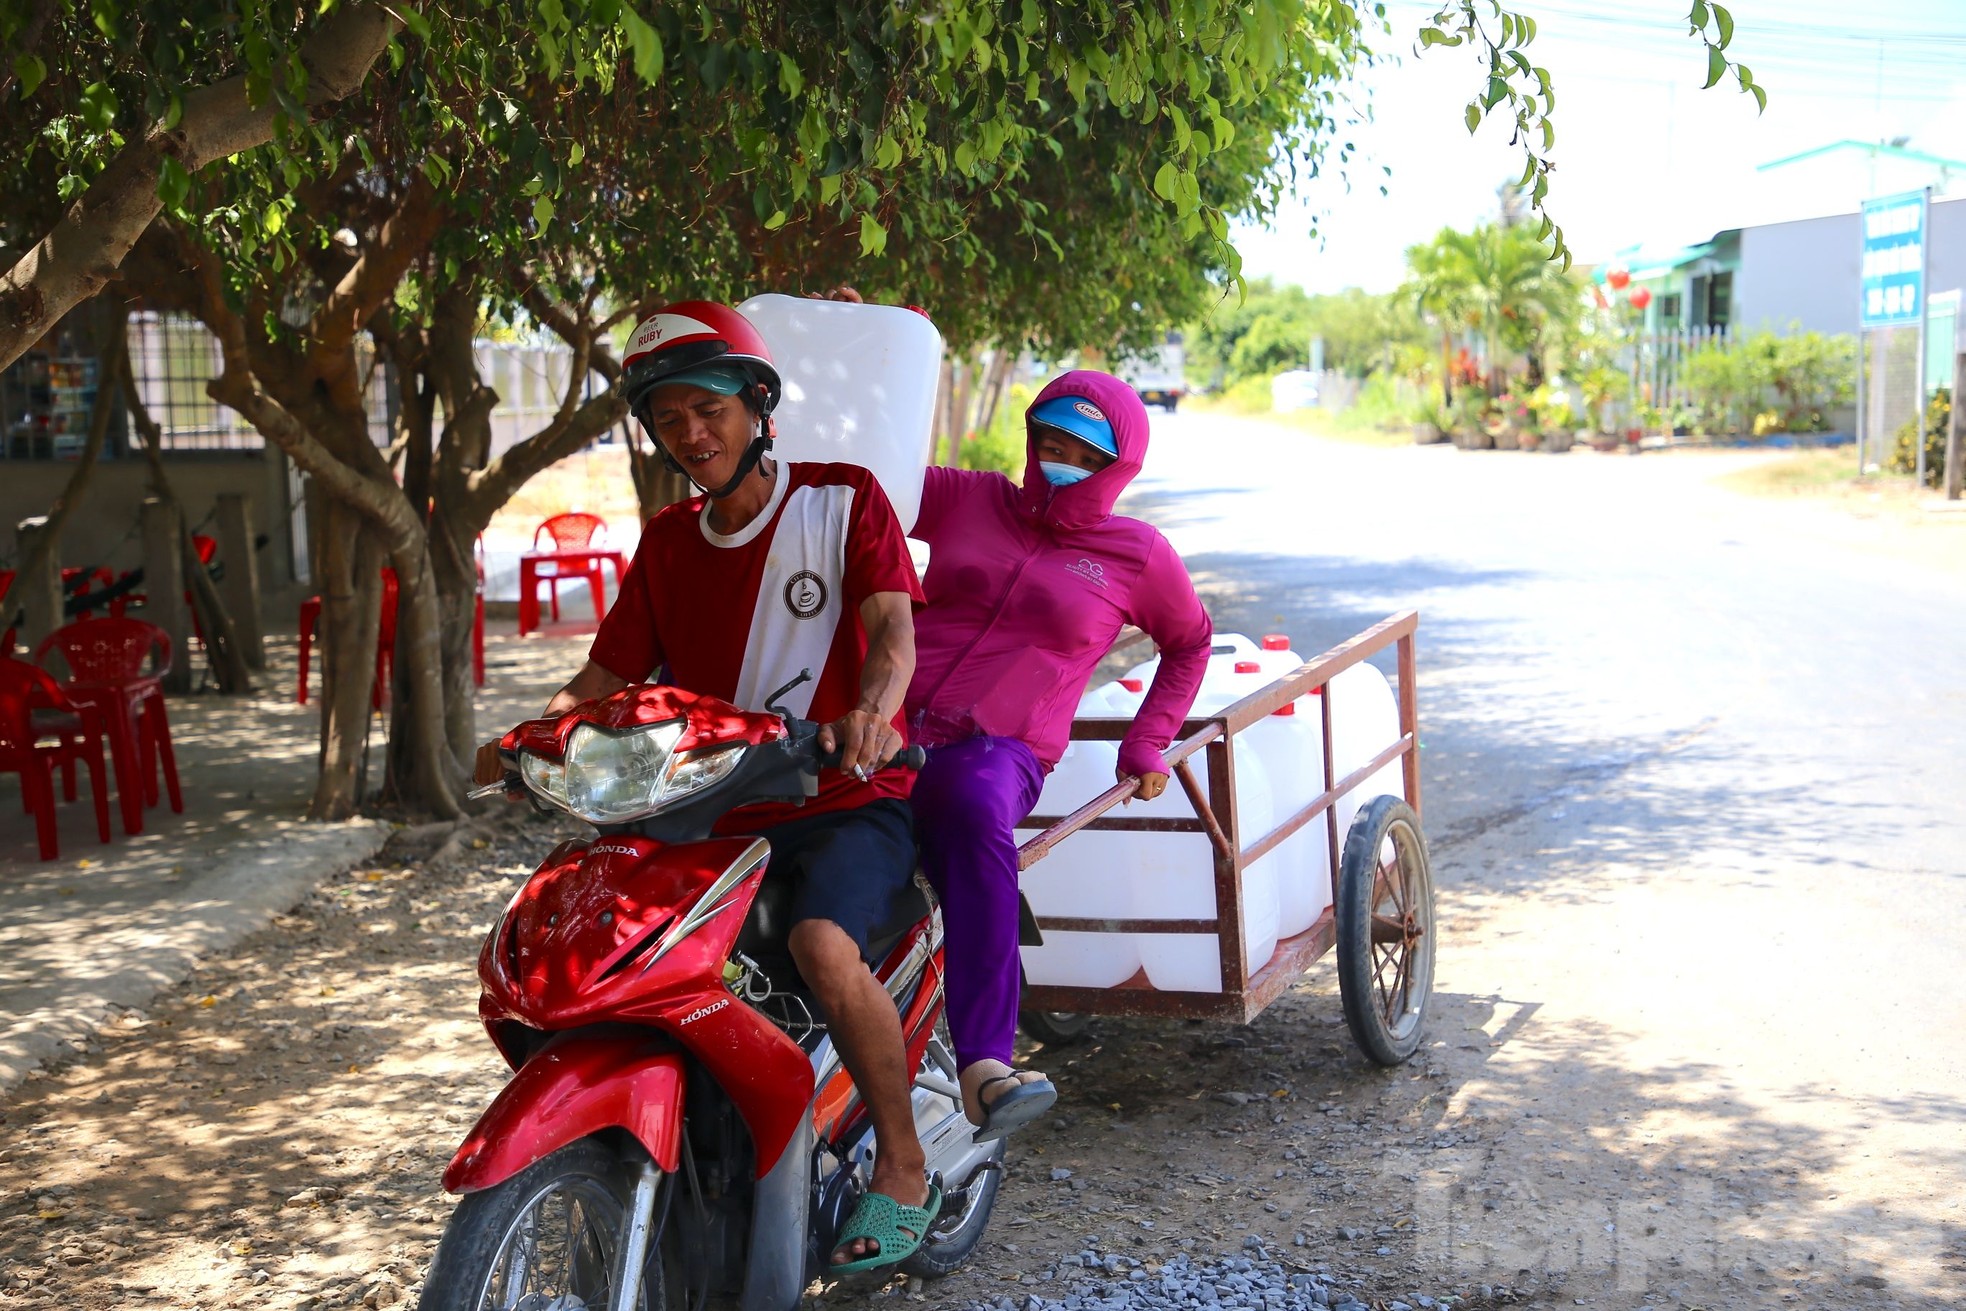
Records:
x=1470, y=421
x=1516, y=423
x=1432, y=421
x=1559, y=425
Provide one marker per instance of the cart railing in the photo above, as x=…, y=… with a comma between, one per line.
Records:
x=1243, y=995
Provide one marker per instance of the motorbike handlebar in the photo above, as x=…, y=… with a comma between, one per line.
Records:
x=805, y=730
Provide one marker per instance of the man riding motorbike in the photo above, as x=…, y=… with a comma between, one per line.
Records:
x=778, y=569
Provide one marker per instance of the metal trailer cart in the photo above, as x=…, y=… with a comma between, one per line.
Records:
x=1381, y=917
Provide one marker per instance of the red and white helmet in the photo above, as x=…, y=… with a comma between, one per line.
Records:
x=688, y=335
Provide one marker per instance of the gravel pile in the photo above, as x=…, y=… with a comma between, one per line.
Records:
x=1253, y=1281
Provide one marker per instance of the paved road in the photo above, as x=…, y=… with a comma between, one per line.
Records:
x=1694, y=767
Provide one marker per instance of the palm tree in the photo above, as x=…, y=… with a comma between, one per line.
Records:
x=1497, y=280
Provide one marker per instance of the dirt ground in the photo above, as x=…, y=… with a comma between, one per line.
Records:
x=271, y=1133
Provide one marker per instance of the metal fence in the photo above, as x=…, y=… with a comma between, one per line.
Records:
x=1658, y=365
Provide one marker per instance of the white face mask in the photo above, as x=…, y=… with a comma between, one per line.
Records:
x=1059, y=474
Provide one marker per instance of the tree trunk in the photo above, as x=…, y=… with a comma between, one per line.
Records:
x=1446, y=368
x=88, y=245
x=1001, y=366
x=425, y=772
x=351, y=596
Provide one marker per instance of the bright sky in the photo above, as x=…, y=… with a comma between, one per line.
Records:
x=1642, y=154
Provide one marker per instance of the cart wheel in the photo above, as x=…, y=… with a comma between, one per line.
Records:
x=1385, y=923
x=1054, y=1028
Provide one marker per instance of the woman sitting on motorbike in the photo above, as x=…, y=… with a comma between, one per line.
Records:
x=1028, y=586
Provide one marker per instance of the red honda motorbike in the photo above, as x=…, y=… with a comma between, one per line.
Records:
x=678, y=1127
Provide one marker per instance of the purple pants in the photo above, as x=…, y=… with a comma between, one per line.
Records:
x=967, y=799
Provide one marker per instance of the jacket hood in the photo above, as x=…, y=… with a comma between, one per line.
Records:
x=1090, y=500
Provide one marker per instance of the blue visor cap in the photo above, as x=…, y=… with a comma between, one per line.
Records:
x=721, y=379
x=1079, y=417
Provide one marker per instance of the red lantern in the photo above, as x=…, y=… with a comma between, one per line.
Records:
x=1618, y=278
x=1640, y=297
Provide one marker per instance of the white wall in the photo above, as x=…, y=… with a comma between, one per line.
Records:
x=1807, y=271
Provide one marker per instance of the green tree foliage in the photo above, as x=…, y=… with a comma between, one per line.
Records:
x=1052, y=171
x=1500, y=284
x=1270, y=328
x=1904, y=450
x=1522, y=94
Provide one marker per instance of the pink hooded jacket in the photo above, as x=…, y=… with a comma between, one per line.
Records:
x=1029, y=585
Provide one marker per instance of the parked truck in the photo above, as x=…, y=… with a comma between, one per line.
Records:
x=1159, y=376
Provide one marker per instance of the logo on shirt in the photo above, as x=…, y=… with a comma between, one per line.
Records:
x=805, y=594
x=1088, y=570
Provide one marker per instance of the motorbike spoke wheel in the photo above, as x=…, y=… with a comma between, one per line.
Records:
x=1385, y=930
x=544, y=1240
x=965, y=1214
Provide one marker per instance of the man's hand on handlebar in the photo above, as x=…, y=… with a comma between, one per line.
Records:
x=864, y=740
x=489, y=768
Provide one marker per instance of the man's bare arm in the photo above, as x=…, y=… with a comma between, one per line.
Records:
x=590, y=684
x=866, y=735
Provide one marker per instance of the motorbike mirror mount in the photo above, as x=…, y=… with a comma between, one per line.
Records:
x=772, y=701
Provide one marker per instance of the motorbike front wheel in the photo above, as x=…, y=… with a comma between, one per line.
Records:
x=545, y=1238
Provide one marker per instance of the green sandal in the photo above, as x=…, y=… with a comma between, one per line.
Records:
x=897, y=1228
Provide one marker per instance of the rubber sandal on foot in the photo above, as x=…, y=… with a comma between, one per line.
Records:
x=897, y=1227
x=1016, y=1108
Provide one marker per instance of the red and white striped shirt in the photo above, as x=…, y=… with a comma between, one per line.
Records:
x=738, y=616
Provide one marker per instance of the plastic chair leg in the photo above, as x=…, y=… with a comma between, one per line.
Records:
x=159, y=734
x=553, y=597
x=600, y=596
x=478, y=640
x=99, y=785
x=39, y=790
x=308, y=609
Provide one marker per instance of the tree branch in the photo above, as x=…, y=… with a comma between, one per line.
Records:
x=368, y=285
x=87, y=246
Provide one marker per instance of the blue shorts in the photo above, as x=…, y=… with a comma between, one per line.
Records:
x=846, y=866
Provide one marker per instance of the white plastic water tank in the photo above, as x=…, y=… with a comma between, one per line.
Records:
x=1177, y=878
x=1364, y=722
x=859, y=387
x=1089, y=874
x=1290, y=743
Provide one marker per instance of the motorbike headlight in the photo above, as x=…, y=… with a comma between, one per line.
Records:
x=615, y=777
x=546, y=777
x=692, y=771
x=612, y=777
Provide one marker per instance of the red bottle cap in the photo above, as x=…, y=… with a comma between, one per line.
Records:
x=1247, y=667
x=1276, y=642
x=1132, y=684
x=1290, y=708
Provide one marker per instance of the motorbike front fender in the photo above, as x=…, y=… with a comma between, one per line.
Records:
x=573, y=1087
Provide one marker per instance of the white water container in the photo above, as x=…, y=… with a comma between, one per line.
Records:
x=859, y=387
x=1225, y=650
x=1364, y=722
x=1178, y=869
x=1290, y=743
x=1089, y=874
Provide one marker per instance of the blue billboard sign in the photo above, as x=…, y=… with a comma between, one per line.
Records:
x=1893, y=260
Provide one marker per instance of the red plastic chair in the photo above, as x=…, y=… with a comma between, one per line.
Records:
x=32, y=708
x=119, y=666
x=385, y=642
x=571, y=532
